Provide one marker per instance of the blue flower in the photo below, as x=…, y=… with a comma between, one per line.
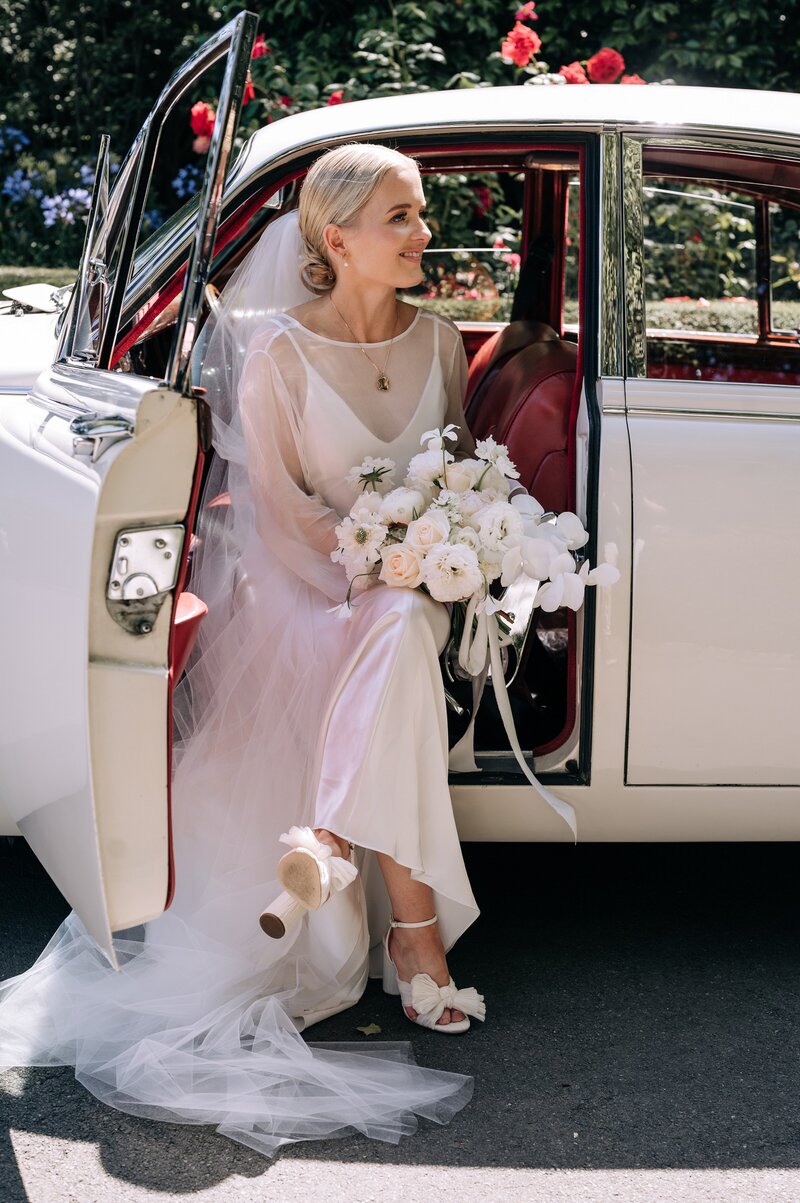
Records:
x=18, y=186
x=12, y=139
x=65, y=206
x=152, y=219
x=187, y=181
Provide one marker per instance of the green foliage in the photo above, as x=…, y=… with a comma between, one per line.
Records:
x=71, y=70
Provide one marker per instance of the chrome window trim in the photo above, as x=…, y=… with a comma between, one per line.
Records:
x=610, y=281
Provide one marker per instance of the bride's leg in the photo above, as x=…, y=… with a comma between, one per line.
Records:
x=414, y=950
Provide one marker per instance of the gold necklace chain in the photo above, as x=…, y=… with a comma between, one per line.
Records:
x=382, y=383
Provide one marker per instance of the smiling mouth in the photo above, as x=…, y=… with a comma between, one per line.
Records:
x=416, y=256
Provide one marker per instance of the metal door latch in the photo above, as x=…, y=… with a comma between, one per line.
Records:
x=144, y=571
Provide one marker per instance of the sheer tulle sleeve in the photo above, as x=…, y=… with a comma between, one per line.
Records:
x=292, y=520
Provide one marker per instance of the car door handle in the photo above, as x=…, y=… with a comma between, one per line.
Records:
x=95, y=433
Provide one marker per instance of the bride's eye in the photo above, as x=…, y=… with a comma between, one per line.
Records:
x=423, y=214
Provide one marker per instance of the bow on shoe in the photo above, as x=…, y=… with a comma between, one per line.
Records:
x=342, y=871
x=430, y=1000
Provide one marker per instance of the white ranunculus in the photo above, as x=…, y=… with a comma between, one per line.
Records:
x=425, y=532
x=467, y=536
x=402, y=566
x=451, y=572
x=498, y=524
x=399, y=505
x=463, y=474
x=426, y=469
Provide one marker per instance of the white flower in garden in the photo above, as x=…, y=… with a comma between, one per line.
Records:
x=425, y=470
x=498, y=525
x=400, y=505
x=463, y=474
x=373, y=474
x=358, y=540
x=451, y=572
x=435, y=438
x=401, y=566
x=425, y=532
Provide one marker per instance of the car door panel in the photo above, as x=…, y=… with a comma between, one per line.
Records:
x=715, y=647
x=70, y=736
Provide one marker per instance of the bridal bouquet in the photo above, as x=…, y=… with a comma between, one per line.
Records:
x=451, y=530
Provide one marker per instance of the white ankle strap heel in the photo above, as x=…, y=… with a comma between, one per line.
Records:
x=423, y=994
x=309, y=874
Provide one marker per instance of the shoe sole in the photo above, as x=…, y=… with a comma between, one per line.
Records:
x=298, y=873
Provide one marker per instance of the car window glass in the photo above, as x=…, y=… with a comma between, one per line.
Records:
x=571, y=256
x=471, y=267
x=706, y=298
x=784, y=227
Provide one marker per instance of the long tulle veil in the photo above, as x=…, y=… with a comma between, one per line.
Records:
x=202, y=1024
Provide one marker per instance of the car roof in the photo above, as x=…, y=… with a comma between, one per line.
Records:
x=661, y=109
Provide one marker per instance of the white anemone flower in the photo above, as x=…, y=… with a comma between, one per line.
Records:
x=372, y=474
x=359, y=540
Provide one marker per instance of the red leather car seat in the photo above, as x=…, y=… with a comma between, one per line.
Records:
x=520, y=391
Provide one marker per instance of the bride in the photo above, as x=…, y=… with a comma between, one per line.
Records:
x=294, y=728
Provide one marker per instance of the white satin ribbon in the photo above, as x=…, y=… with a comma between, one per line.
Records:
x=472, y=656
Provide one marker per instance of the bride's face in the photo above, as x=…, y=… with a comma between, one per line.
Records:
x=385, y=242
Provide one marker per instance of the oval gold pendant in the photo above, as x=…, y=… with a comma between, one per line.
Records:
x=382, y=383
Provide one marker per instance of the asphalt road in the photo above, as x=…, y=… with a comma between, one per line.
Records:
x=641, y=1044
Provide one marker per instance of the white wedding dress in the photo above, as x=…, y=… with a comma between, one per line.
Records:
x=303, y=719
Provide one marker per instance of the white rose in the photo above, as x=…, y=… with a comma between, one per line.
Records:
x=469, y=504
x=463, y=474
x=493, y=481
x=399, y=505
x=401, y=566
x=451, y=572
x=425, y=532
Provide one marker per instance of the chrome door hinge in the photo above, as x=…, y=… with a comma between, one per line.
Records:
x=144, y=571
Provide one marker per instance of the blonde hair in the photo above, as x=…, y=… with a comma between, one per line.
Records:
x=336, y=187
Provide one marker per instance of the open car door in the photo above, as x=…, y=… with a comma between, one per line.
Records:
x=99, y=477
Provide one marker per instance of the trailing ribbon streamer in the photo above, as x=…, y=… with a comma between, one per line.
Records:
x=472, y=655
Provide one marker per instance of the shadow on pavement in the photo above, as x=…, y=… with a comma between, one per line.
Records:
x=642, y=1012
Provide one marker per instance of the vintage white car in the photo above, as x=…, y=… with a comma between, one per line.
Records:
x=668, y=707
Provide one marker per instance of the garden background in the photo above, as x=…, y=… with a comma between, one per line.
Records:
x=73, y=69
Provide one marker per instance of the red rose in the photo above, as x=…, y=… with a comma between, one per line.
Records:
x=484, y=199
x=574, y=73
x=286, y=101
x=632, y=79
x=260, y=47
x=202, y=119
x=521, y=44
x=336, y=97
x=526, y=13
x=605, y=66
x=249, y=91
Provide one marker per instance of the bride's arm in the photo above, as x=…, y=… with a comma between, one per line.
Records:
x=291, y=519
x=456, y=374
